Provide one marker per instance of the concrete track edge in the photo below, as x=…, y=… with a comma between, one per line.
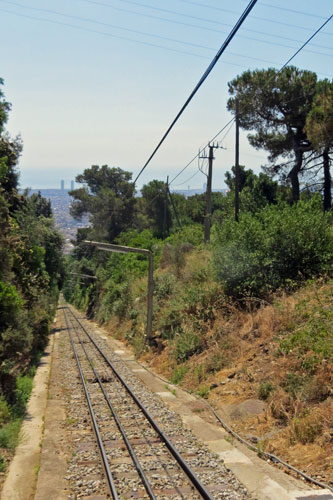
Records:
x=23, y=470
x=262, y=480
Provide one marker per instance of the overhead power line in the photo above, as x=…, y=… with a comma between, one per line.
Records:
x=233, y=119
x=307, y=41
x=201, y=81
x=132, y=40
x=200, y=4
x=202, y=149
x=101, y=23
x=205, y=28
x=262, y=3
x=103, y=33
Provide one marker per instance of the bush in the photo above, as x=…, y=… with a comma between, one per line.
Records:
x=22, y=394
x=217, y=361
x=311, y=338
x=203, y=392
x=9, y=434
x=178, y=374
x=265, y=389
x=10, y=303
x=186, y=344
x=3, y=464
x=277, y=247
x=304, y=430
x=4, y=411
x=164, y=285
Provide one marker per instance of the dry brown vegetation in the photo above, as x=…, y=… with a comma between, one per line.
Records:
x=266, y=367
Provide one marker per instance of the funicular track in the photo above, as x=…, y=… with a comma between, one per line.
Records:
x=119, y=417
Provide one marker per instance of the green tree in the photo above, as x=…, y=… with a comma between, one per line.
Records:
x=108, y=196
x=275, y=104
x=157, y=208
x=319, y=129
x=40, y=205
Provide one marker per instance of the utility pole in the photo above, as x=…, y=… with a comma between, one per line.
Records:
x=165, y=208
x=237, y=163
x=208, y=211
x=174, y=209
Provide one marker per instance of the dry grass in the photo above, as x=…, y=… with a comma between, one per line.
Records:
x=241, y=354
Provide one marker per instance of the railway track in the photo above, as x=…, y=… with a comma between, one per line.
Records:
x=139, y=458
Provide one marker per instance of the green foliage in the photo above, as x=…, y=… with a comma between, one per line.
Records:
x=275, y=105
x=178, y=374
x=4, y=411
x=311, y=336
x=319, y=122
x=203, y=392
x=191, y=234
x=3, y=464
x=154, y=196
x=265, y=389
x=305, y=430
x=9, y=434
x=170, y=319
x=293, y=384
x=187, y=343
x=217, y=361
x=10, y=303
x=276, y=247
x=108, y=196
x=22, y=393
x=164, y=285
x=31, y=266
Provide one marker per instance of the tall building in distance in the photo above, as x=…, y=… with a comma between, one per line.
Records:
x=62, y=184
x=72, y=185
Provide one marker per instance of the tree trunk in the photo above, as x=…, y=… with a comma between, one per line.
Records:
x=327, y=181
x=293, y=174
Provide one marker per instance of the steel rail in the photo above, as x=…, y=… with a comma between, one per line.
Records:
x=119, y=425
x=107, y=470
x=183, y=464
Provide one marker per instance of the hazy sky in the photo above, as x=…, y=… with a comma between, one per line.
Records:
x=99, y=81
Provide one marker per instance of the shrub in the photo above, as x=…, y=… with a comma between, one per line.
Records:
x=265, y=389
x=22, y=394
x=4, y=411
x=304, y=430
x=178, y=374
x=171, y=319
x=164, y=285
x=10, y=303
x=276, y=247
x=311, y=336
x=203, y=391
x=216, y=362
x=186, y=344
x=9, y=434
x=293, y=384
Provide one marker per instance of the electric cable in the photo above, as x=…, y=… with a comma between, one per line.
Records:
x=254, y=17
x=282, y=67
x=152, y=35
x=201, y=81
x=80, y=28
x=187, y=180
x=201, y=150
x=210, y=29
x=305, y=43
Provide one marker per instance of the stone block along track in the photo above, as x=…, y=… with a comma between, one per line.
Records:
x=141, y=449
